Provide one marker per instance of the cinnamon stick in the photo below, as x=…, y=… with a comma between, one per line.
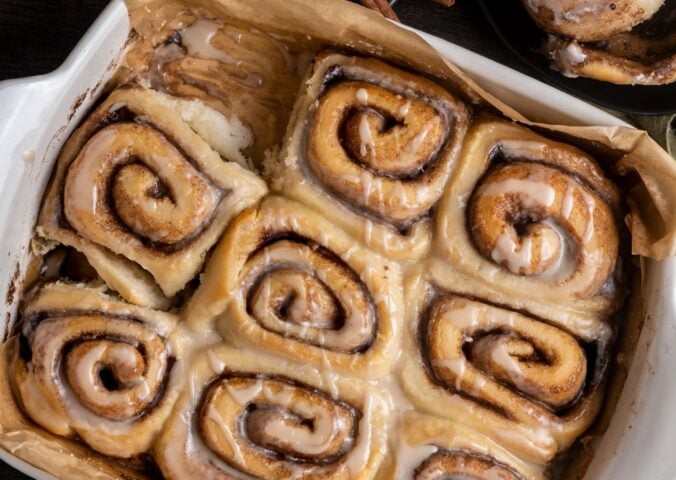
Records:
x=382, y=7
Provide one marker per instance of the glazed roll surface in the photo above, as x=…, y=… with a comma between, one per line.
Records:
x=623, y=59
x=371, y=147
x=249, y=415
x=428, y=292
x=285, y=280
x=626, y=43
x=537, y=218
x=144, y=188
x=430, y=448
x=530, y=384
x=590, y=20
x=90, y=366
x=232, y=68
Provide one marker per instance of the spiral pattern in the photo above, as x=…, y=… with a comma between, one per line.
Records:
x=289, y=281
x=535, y=216
x=102, y=373
x=296, y=303
x=534, y=221
x=448, y=464
x=277, y=416
x=467, y=342
x=129, y=178
x=468, y=360
x=366, y=140
x=259, y=416
x=434, y=448
x=372, y=146
x=143, y=195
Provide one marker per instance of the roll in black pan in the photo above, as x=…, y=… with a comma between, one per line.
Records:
x=515, y=27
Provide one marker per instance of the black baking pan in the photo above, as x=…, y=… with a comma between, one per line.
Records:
x=520, y=33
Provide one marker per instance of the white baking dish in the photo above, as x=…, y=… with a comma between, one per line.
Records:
x=39, y=113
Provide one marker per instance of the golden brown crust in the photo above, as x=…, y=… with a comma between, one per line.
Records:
x=285, y=280
x=371, y=146
x=532, y=386
x=304, y=309
x=589, y=20
x=536, y=217
x=623, y=65
x=143, y=195
x=256, y=414
x=96, y=368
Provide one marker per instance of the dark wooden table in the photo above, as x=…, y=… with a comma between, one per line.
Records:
x=37, y=35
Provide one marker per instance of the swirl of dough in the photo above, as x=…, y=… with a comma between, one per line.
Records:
x=435, y=448
x=96, y=368
x=128, y=177
x=535, y=216
x=285, y=279
x=531, y=385
x=251, y=415
x=298, y=302
x=143, y=191
x=372, y=147
x=448, y=464
x=274, y=415
x=468, y=343
x=536, y=220
x=378, y=149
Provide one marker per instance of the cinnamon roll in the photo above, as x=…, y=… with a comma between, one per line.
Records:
x=247, y=415
x=627, y=42
x=145, y=187
x=236, y=70
x=286, y=280
x=431, y=448
x=536, y=217
x=529, y=384
x=624, y=59
x=590, y=20
x=372, y=147
x=92, y=367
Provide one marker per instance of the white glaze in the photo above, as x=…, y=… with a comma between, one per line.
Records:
x=507, y=250
x=403, y=110
x=213, y=415
x=572, y=54
x=410, y=457
x=458, y=366
x=244, y=396
x=307, y=441
x=565, y=263
x=531, y=192
x=362, y=96
x=567, y=206
x=365, y=137
x=358, y=457
x=197, y=40
x=500, y=356
x=591, y=206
